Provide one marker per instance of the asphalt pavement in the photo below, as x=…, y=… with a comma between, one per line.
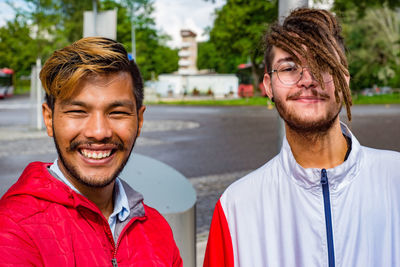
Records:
x=211, y=146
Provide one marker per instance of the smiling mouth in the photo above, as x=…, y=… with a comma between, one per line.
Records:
x=96, y=154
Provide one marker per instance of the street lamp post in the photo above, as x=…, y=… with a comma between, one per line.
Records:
x=94, y=17
x=132, y=5
x=285, y=6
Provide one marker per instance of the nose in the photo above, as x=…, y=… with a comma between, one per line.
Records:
x=307, y=80
x=97, y=127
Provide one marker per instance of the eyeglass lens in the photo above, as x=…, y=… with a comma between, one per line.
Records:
x=290, y=73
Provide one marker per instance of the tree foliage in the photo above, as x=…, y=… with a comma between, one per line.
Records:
x=42, y=26
x=16, y=47
x=373, y=43
x=236, y=35
x=360, y=6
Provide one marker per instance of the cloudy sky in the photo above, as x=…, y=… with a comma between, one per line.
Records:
x=171, y=16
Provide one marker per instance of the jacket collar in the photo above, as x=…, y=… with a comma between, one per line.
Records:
x=37, y=181
x=309, y=178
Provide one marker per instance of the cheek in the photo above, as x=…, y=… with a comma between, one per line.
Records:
x=66, y=129
x=126, y=130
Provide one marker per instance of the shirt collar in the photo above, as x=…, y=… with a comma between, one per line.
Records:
x=121, y=204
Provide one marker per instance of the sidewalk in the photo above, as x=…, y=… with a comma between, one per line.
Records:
x=201, y=243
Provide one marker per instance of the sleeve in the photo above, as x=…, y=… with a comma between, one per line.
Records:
x=177, y=258
x=16, y=246
x=219, y=251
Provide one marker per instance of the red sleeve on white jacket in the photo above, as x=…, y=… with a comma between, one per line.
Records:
x=219, y=251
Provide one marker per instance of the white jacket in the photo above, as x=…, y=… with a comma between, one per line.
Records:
x=276, y=215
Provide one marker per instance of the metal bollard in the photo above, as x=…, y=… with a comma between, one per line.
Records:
x=168, y=191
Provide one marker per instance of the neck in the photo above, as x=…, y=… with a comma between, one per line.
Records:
x=318, y=150
x=102, y=197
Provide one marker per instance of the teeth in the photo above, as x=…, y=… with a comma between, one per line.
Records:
x=95, y=155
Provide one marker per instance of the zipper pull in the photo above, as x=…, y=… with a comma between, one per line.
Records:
x=114, y=262
x=324, y=177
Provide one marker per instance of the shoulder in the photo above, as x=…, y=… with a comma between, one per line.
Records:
x=254, y=183
x=381, y=165
x=156, y=221
x=379, y=156
x=22, y=207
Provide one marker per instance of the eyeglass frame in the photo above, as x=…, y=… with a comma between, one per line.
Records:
x=301, y=73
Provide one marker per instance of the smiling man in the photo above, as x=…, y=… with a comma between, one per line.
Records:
x=76, y=211
x=324, y=200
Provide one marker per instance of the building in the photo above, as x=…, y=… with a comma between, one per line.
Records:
x=188, y=80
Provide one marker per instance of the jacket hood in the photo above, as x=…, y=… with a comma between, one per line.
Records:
x=37, y=181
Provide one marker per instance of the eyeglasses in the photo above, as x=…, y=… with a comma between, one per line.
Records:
x=290, y=73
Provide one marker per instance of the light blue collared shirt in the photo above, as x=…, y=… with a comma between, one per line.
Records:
x=121, y=205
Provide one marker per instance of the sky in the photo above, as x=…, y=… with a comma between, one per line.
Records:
x=171, y=16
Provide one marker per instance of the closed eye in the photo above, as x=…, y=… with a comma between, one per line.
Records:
x=120, y=113
x=288, y=69
x=75, y=111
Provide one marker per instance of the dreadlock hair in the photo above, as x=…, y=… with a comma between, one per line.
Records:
x=67, y=67
x=314, y=35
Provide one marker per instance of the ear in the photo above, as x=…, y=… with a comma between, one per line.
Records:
x=268, y=86
x=140, y=119
x=48, y=119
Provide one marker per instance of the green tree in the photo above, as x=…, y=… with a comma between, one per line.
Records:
x=16, y=47
x=153, y=55
x=360, y=6
x=237, y=35
x=373, y=42
x=52, y=24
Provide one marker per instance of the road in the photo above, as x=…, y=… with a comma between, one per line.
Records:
x=211, y=146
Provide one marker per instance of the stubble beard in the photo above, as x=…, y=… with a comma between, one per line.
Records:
x=310, y=128
x=92, y=182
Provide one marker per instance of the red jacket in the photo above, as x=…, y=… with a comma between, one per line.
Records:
x=43, y=222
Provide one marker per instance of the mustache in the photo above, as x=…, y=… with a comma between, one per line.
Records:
x=314, y=92
x=75, y=144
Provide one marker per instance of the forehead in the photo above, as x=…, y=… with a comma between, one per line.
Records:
x=103, y=88
x=280, y=55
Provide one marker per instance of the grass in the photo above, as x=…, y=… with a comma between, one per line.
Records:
x=262, y=101
x=377, y=99
x=254, y=101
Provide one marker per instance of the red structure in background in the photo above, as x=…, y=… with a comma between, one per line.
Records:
x=246, y=88
x=6, y=82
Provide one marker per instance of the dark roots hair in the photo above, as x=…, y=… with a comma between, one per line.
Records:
x=89, y=56
x=315, y=35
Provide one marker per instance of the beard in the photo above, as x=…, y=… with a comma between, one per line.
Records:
x=92, y=182
x=304, y=126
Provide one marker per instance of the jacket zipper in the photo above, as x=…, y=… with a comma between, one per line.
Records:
x=114, y=259
x=328, y=217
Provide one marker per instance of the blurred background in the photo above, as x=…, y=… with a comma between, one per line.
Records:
x=228, y=40
x=207, y=115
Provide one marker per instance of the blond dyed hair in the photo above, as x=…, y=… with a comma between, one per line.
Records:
x=67, y=67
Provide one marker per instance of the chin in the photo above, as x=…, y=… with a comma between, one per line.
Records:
x=96, y=182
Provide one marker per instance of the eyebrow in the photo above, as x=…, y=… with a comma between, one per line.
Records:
x=289, y=58
x=73, y=103
x=124, y=103
x=119, y=103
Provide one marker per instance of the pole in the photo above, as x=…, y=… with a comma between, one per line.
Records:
x=132, y=5
x=94, y=17
x=285, y=6
x=38, y=88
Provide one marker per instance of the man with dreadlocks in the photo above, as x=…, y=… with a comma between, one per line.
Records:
x=324, y=200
